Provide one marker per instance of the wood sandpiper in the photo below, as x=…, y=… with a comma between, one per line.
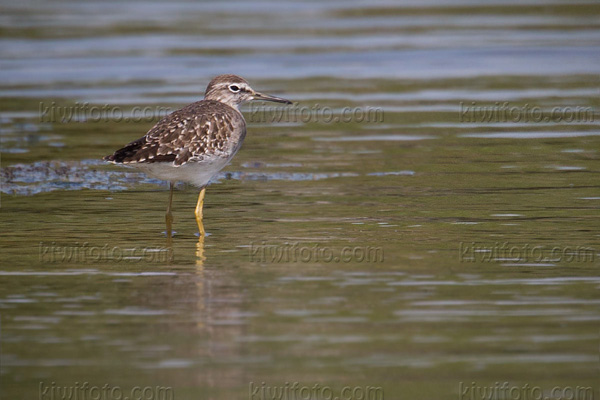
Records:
x=194, y=143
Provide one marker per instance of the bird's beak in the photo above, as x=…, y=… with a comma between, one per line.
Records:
x=267, y=97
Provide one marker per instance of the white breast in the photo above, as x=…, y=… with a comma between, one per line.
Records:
x=196, y=173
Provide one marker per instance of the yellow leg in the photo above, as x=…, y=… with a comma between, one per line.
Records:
x=198, y=212
x=169, y=215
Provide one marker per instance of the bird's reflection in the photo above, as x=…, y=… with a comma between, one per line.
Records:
x=200, y=257
x=169, y=233
x=206, y=316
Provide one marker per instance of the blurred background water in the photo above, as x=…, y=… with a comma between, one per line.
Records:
x=422, y=246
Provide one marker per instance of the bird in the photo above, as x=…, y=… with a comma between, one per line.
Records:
x=194, y=143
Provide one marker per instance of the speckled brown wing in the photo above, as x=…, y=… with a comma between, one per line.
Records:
x=199, y=130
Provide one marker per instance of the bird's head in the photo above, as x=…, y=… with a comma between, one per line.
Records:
x=234, y=90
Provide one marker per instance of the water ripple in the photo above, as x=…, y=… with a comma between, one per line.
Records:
x=47, y=176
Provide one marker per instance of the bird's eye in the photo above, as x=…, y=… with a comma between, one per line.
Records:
x=234, y=88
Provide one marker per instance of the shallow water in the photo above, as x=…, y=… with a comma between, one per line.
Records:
x=429, y=248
